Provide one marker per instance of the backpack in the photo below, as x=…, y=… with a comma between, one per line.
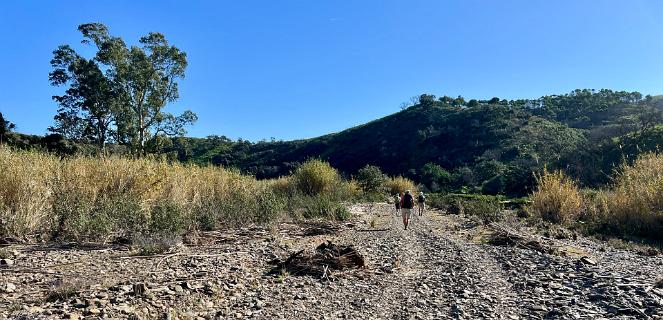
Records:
x=421, y=198
x=408, y=201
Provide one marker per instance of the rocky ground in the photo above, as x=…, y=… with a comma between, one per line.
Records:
x=441, y=267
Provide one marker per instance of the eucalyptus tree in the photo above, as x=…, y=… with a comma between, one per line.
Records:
x=136, y=83
x=87, y=108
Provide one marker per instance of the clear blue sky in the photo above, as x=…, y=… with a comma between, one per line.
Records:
x=297, y=69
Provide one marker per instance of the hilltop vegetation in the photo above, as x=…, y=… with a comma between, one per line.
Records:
x=489, y=146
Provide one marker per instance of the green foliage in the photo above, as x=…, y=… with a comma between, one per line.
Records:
x=5, y=127
x=435, y=178
x=168, y=218
x=316, y=177
x=324, y=207
x=485, y=207
x=371, y=179
x=120, y=92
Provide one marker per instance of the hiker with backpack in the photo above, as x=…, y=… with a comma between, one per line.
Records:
x=397, y=202
x=421, y=203
x=407, y=205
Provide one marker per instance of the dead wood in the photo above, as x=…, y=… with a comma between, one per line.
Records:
x=504, y=236
x=320, y=263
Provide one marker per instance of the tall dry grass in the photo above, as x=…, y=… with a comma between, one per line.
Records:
x=631, y=205
x=89, y=198
x=316, y=177
x=25, y=191
x=634, y=204
x=93, y=198
x=557, y=198
x=399, y=185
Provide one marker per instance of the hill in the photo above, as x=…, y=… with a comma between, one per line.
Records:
x=483, y=145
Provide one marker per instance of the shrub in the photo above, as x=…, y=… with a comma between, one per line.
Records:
x=316, y=177
x=485, y=207
x=152, y=244
x=324, y=207
x=168, y=218
x=435, y=177
x=486, y=210
x=399, y=185
x=371, y=179
x=556, y=199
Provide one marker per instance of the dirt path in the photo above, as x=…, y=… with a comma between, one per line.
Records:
x=438, y=269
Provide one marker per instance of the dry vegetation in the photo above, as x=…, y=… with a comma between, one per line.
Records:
x=87, y=198
x=557, y=198
x=632, y=205
x=399, y=185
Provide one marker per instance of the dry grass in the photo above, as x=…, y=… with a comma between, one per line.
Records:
x=316, y=177
x=92, y=198
x=557, y=198
x=25, y=192
x=634, y=204
x=89, y=198
x=399, y=185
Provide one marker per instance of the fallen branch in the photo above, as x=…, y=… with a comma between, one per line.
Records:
x=504, y=236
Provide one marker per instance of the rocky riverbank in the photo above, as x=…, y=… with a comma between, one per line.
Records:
x=441, y=267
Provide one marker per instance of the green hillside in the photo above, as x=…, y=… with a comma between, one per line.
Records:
x=491, y=145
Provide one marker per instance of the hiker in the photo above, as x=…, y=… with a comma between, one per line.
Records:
x=421, y=203
x=407, y=205
x=397, y=202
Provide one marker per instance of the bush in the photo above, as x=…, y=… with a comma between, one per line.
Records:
x=399, y=185
x=316, y=177
x=485, y=207
x=556, y=199
x=168, y=218
x=486, y=210
x=324, y=207
x=435, y=177
x=371, y=179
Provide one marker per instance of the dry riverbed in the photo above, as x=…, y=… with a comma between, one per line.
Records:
x=442, y=267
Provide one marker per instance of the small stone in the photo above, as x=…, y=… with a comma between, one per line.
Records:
x=72, y=316
x=9, y=287
x=93, y=311
x=6, y=263
x=35, y=309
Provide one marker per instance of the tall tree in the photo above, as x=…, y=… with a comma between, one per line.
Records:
x=121, y=93
x=148, y=74
x=86, y=110
x=5, y=127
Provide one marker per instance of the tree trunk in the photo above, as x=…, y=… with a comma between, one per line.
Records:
x=141, y=136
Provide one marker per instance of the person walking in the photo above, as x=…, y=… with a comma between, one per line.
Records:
x=406, y=208
x=397, y=202
x=421, y=203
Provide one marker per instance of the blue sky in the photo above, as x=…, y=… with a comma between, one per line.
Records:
x=298, y=69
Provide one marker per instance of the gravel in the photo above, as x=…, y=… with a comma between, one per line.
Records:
x=440, y=268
